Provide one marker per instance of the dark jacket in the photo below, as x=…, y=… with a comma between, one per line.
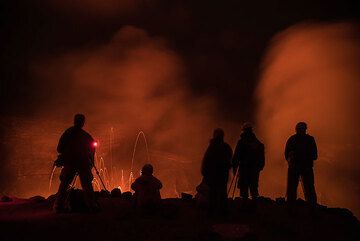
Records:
x=76, y=147
x=301, y=150
x=147, y=190
x=249, y=153
x=216, y=163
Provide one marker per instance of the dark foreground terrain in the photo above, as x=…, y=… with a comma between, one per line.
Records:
x=32, y=219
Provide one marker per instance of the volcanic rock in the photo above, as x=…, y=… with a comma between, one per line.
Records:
x=37, y=199
x=186, y=196
x=5, y=199
x=127, y=196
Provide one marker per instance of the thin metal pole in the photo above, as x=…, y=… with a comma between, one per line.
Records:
x=97, y=173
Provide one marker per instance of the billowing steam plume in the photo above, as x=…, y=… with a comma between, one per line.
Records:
x=133, y=83
x=311, y=73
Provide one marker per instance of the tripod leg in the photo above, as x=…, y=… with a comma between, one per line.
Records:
x=236, y=180
x=231, y=184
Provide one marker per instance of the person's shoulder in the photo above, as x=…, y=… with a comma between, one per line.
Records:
x=310, y=137
x=258, y=141
x=69, y=130
x=155, y=178
x=87, y=134
x=137, y=180
x=227, y=145
x=292, y=139
x=241, y=140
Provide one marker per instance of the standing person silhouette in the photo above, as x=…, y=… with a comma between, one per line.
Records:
x=76, y=148
x=215, y=170
x=248, y=161
x=300, y=153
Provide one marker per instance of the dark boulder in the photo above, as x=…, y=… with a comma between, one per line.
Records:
x=127, y=196
x=6, y=199
x=186, y=196
x=280, y=201
x=37, y=199
x=51, y=198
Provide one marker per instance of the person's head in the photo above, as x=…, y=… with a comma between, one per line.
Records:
x=147, y=169
x=218, y=134
x=301, y=128
x=246, y=127
x=79, y=120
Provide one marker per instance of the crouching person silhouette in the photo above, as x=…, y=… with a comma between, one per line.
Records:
x=215, y=170
x=147, y=190
x=77, y=150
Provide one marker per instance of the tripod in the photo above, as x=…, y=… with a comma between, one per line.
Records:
x=97, y=173
x=235, y=178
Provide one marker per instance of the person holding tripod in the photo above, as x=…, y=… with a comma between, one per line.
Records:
x=76, y=150
x=248, y=161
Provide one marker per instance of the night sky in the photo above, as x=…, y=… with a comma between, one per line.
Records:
x=221, y=43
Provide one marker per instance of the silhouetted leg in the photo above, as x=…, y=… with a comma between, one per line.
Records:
x=307, y=178
x=86, y=178
x=66, y=177
x=223, y=201
x=254, y=184
x=213, y=196
x=244, y=184
x=292, y=184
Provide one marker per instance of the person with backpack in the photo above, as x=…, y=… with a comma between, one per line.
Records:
x=248, y=161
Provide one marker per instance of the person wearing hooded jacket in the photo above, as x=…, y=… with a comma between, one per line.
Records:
x=248, y=161
x=215, y=170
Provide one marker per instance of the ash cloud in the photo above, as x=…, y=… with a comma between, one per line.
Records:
x=135, y=82
x=311, y=74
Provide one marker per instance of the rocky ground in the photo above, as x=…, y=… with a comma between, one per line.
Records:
x=33, y=219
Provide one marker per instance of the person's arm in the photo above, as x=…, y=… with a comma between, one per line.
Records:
x=92, y=150
x=63, y=142
x=135, y=185
x=287, y=149
x=314, y=149
x=159, y=184
x=205, y=161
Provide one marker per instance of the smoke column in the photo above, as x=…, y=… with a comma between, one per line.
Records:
x=311, y=73
x=134, y=82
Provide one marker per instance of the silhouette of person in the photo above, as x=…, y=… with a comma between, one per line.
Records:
x=300, y=153
x=147, y=189
x=248, y=161
x=77, y=150
x=215, y=170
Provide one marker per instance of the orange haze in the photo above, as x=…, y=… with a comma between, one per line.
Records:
x=311, y=73
x=135, y=82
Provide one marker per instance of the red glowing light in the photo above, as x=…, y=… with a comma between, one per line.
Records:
x=95, y=143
